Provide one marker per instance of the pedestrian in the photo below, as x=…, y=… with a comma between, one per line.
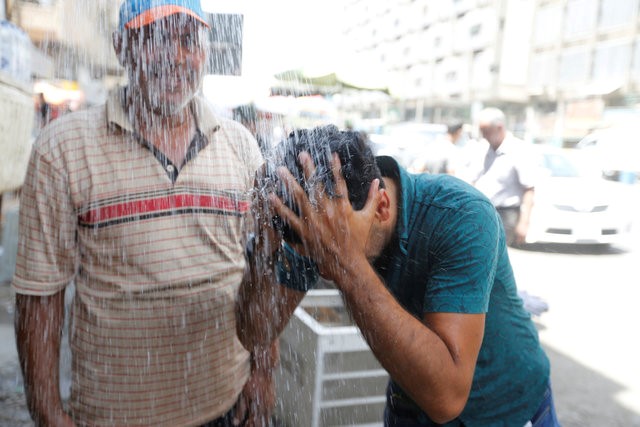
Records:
x=422, y=265
x=249, y=116
x=506, y=173
x=444, y=154
x=141, y=202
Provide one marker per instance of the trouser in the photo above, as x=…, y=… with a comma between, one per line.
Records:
x=546, y=414
x=400, y=414
x=510, y=217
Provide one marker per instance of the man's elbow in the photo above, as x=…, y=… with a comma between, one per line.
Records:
x=446, y=409
x=448, y=413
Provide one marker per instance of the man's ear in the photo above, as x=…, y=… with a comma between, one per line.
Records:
x=118, y=46
x=383, y=210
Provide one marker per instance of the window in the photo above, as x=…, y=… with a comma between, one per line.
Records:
x=548, y=25
x=581, y=19
x=611, y=61
x=616, y=13
x=542, y=71
x=574, y=66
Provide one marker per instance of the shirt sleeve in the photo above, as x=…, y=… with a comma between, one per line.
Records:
x=47, y=254
x=464, y=260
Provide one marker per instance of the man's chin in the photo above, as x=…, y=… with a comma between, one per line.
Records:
x=171, y=107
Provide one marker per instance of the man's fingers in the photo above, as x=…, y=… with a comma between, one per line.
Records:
x=292, y=187
x=341, y=185
x=308, y=167
x=287, y=214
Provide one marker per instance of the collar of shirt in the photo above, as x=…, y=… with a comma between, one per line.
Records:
x=390, y=168
x=506, y=146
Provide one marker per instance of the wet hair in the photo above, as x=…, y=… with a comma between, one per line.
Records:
x=358, y=165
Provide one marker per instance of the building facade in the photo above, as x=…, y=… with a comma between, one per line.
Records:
x=555, y=66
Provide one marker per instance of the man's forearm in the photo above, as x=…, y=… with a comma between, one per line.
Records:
x=526, y=206
x=38, y=326
x=414, y=355
x=264, y=307
x=522, y=227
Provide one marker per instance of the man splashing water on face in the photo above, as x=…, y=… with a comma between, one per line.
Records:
x=142, y=203
x=422, y=264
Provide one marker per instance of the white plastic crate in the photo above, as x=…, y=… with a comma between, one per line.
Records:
x=16, y=125
x=328, y=375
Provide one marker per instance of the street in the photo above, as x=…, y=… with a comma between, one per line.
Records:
x=589, y=332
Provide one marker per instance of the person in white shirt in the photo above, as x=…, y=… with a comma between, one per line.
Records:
x=506, y=174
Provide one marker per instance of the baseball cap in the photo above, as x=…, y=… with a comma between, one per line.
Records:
x=138, y=13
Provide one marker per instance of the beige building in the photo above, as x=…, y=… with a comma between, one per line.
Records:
x=73, y=40
x=555, y=66
x=585, y=64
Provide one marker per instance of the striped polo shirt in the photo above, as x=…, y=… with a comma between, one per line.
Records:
x=156, y=253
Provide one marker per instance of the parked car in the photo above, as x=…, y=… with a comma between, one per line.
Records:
x=407, y=141
x=616, y=151
x=577, y=206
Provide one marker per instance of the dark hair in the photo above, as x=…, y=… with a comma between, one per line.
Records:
x=454, y=127
x=245, y=113
x=359, y=167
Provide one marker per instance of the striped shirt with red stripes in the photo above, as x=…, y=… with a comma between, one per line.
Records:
x=156, y=254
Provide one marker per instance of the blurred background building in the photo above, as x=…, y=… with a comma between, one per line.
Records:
x=559, y=68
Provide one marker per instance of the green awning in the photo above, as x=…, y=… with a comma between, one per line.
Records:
x=295, y=82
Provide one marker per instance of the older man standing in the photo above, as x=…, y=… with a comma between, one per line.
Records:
x=506, y=174
x=142, y=203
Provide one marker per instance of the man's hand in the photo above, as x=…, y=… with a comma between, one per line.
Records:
x=60, y=420
x=332, y=233
x=520, y=232
x=258, y=398
x=39, y=352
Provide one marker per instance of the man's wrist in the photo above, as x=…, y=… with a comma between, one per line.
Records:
x=351, y=274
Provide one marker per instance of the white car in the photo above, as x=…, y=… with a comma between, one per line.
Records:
x=407, y=141
x=616, y=151
x=574, y=207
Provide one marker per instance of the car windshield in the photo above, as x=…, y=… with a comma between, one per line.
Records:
x=559, y=165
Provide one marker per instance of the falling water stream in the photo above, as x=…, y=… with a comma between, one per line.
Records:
x=130, y=289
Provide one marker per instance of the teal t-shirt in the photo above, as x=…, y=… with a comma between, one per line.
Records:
x=450, y=256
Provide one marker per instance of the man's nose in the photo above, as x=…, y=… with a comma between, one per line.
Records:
x=170, y=51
